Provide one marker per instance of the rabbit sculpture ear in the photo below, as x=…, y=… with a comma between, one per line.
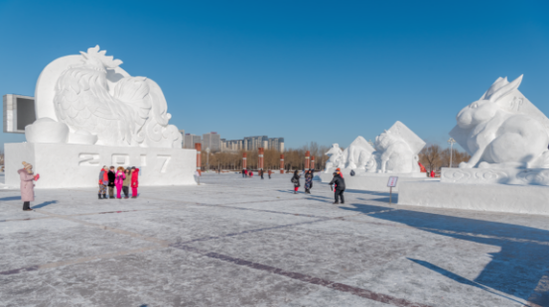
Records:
x=501, y=88
x=499, y=83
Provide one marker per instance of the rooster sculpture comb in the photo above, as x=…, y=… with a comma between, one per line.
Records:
x=94, y=54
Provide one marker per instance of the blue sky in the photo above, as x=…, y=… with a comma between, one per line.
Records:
x=324, y=71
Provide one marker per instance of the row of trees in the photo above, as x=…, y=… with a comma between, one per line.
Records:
x=432, y=156
x=293, y=158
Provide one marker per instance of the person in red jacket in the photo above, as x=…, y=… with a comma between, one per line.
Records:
x=103, y=182
x=134, y=183
x=432, y=174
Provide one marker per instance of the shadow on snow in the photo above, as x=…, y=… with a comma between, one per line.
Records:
x=10, y=198
x=43, y=204
x=517, y=269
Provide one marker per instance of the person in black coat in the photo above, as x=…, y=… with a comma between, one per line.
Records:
x=296, y=180
x=112, y=177
x=308, y=181
x=339, y=187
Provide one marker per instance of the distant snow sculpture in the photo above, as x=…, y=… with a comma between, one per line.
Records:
x=358, y=154
x=503, y=129
x=398, y=150
x=336, y=159
x=101, y=104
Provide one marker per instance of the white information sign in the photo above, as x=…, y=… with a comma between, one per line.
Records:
x=392, y=181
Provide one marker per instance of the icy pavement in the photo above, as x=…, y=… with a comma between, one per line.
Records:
x=247, y=242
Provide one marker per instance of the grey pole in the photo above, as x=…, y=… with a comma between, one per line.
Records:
x=451, y=141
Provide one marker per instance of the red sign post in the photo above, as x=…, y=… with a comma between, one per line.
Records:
x=244, y=160
x=261, y=158
x=198, y=148
x=282, y=166
x=307, y=160
x=313, y=162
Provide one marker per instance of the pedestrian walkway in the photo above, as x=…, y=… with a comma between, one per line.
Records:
x=236, y=241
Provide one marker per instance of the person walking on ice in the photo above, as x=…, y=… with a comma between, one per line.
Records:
x=339, y=187
x=296, y=180
x=269, y=173
x=27, y=185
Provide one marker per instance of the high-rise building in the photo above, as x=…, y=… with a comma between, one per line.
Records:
x=255, y=142
x=212, y=141
x=277, y=144
x=189, y=141
x=233, y=145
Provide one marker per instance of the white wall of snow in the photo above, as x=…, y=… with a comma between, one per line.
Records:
x=73, y=165
x=524, y=199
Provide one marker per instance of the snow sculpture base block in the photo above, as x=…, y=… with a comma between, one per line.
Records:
x=535, y=176
x=373, y=181
x=73, y=165
x=522, y=199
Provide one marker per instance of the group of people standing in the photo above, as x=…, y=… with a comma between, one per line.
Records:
x=247, y=173
x=338, y=185
x=121, y=179
x=308, y=175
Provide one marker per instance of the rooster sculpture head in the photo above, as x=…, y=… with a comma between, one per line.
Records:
x=97, y=60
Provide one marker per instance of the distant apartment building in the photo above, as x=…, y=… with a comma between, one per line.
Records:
x=255, y=142
x=277, y=144
x=211, y=140
x=233, y=145
x=189, y=141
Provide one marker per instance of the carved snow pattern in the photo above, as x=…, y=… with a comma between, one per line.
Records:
x=496, y=176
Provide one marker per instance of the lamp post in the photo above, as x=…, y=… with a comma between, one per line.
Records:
x=207, y=159
x=451, y=141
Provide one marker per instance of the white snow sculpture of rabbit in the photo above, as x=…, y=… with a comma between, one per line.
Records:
x=502, y=137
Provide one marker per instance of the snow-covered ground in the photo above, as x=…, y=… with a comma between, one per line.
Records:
x=249, y=242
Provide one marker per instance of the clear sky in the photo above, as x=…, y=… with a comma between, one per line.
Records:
x=324, y=71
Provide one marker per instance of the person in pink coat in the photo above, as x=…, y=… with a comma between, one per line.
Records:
x=119, y=180
x=134, y=183
x=27, y=185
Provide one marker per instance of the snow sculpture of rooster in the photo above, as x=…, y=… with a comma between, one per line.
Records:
x=132, y=112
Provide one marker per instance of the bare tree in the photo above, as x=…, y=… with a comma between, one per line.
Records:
x=430, y=156
x=458, y=157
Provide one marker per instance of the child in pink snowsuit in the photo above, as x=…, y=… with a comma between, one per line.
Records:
x=119, y=180
x=134, y=183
